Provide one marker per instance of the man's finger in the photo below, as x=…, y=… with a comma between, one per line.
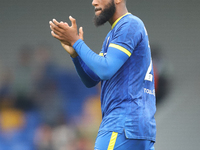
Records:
x=63, y=25
x=55, y=35
x=58, y=25
x=81, y=33
x=73, y=21
x=66, y=23
x=53, y=26
x=55, y=22
x=54, y=30
x=57, y=29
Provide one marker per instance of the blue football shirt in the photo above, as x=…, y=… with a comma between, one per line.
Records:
x=128, y=97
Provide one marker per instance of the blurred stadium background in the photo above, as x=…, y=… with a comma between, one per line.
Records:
x=44, y=105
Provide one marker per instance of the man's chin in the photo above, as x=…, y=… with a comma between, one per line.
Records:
x=100, y=18
x=97, y=13
x=98, y=23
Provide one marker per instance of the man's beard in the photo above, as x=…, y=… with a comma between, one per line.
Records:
x=105, y=15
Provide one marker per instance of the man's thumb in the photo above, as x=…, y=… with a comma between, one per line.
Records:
x=81, y=33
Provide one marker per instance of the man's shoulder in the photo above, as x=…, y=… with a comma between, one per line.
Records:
x=130, y=20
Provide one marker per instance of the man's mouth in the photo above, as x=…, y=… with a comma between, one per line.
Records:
x=97, y=9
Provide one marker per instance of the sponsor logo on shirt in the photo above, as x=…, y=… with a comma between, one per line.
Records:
x=148, y=91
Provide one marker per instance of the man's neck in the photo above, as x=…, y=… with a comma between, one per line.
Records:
x=120, y=11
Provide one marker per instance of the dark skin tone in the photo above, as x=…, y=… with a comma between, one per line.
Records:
x=68, y=35
x=65, y=33
x=59, y=32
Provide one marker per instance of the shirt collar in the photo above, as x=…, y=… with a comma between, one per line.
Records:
x=113, y=25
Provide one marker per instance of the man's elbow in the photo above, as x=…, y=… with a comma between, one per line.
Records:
x=105, y=76
x=90, y=84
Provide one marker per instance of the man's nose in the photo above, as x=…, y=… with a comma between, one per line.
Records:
x=94, y=2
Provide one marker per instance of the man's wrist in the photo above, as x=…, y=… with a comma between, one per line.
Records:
x=77, y=43
x=74, y=55
x=72, y=43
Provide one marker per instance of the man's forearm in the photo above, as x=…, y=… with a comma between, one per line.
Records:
x=88, y=77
